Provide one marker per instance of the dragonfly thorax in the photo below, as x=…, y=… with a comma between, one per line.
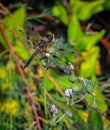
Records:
x=41, y=47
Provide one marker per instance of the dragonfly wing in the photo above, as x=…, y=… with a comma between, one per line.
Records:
x=31, y=58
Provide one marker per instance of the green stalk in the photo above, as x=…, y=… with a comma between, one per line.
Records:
x=45, y=98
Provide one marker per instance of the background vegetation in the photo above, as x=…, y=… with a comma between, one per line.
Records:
x=69, y=90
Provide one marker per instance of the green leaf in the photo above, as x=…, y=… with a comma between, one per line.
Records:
x=88, y=67
x=21, y=51
x=19, y=16
x=100, y=98
x=89, y=85
x=86, y=42
x=95, y=120
x=60, y=12
x=74, y=29
x=60, y=81
x=84, y=10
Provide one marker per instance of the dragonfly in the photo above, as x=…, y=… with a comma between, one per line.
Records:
x=40, y=47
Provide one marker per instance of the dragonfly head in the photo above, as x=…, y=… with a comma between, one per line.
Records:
x=51, y=37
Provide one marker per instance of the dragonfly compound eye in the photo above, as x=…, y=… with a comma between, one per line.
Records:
x=51, y=37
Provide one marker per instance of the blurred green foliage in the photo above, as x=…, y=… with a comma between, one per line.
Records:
x=84, y=41
x=15, y=112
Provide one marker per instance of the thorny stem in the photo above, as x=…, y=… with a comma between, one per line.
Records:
x=30, y=99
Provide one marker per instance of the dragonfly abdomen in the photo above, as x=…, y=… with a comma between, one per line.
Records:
x=31, y=58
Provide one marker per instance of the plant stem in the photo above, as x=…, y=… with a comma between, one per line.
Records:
x=45, y=79
x=60, y=118
x=30, y=99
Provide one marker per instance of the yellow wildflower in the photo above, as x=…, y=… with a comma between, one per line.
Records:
x=85, y=115
x=40, y=72
x=9, y=107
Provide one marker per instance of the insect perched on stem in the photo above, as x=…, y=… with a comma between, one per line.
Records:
x=41, y=47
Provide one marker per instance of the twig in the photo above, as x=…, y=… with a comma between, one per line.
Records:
x=106, y=44
x=67, y=6
x=31, y=126
x=30, y=99
x=11, y=15
x=15, y=34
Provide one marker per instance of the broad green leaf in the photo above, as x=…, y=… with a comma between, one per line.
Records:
x=99, y=100
x=63, y=82
x=60, y=12
x=21, y=51
x=74, y=29
x=18, y=19
x=59, y=81
x=84, y=10
x=15, y=23
x=88, y=67
x=95, y=120
x=88, y=85
x=86, y=42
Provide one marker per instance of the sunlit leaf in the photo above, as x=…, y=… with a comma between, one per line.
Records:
x=21, y=51
x=88, y=67
x=84, y=10
x=86, y=42
x=74, y=29
x=100, y=99
x=15, y=23
x=60, y=12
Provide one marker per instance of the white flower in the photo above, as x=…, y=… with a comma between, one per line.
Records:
x=53, y=109
x=68, y=92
